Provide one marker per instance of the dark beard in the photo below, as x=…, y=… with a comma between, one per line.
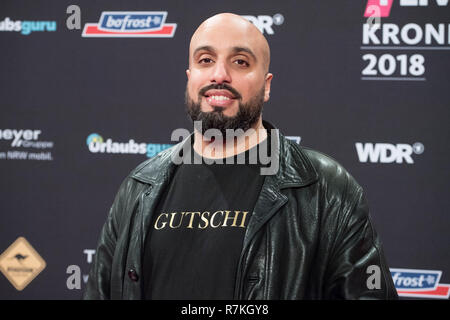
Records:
x=246, y=117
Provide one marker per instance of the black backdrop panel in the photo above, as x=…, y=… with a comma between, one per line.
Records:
x=376, y=101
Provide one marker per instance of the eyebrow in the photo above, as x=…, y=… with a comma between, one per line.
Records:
x=234, y=50
x=244, y=49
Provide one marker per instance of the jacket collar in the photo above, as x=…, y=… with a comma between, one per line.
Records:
x=295, y=168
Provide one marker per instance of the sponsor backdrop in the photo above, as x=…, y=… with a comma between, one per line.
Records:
x=88, y=92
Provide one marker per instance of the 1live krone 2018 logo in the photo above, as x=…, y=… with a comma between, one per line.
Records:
x=401, y=51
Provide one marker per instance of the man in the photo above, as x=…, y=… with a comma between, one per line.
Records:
x=219, y=231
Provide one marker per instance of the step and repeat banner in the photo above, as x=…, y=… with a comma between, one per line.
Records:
x=90, y=89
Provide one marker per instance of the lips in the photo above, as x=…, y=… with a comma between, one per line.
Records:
x=221, y=98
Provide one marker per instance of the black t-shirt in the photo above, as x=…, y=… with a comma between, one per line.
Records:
x=195, y=240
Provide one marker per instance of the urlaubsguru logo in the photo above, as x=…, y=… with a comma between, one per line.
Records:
x=419, y=283
x=131, y=24
x=182, y=153
x=97, y=144
x=26, y=27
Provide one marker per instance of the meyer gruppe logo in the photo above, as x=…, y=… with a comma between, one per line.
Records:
x=419, y=283
x=388, y=152
x=405, y=47
x=264, y=22
x=131, y=24
x=26, y=27
x=97, y=144
x=29, y=139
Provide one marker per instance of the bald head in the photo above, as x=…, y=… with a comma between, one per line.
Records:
x=229, y=26
x=228, y=70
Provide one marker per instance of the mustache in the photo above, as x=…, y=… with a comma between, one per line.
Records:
x=221, y=86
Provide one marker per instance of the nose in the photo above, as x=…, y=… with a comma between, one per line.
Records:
x=220, y=73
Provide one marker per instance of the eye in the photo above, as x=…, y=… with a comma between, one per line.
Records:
x=205, y=61
x=242, y=62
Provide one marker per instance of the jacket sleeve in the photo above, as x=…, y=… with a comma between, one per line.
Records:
x=99, y=281
x=357, y=268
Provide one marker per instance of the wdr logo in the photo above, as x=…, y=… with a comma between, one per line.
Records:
x=419, y=283
x=388, y=153
x=264, y=23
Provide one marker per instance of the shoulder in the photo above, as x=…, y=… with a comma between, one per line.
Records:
x=147, y=172
x=152, y=169
x=332, y=175
x=342, y=198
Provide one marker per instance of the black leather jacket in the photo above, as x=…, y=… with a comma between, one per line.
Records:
x=310, y=235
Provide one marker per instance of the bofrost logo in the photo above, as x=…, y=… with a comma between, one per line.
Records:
x=419, y=283
x=265, y=23
x=387, y=152
x=131, y=24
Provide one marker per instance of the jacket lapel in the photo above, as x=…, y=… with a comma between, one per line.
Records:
x=295, y=170
x=158, y=175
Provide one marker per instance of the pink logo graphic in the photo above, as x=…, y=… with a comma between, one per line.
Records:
x=378, y=8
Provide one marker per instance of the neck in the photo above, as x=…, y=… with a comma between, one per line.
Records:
x=223, y=147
